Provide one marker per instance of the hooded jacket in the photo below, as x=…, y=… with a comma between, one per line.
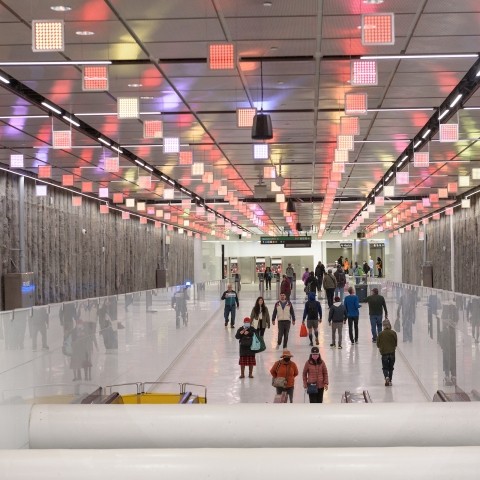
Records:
x=338, y=313
x=311, y=299
x=329, y=281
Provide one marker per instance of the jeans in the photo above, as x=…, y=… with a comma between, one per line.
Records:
x=316, y=397
x=230, y=309
x=283, y=329
x=337, y=326
x=288, y=390
x=340, y=292
x=376, y=324
x=388, y=361
x=353, y=324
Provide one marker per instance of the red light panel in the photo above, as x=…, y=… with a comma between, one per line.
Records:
x=95, y=78
x=245, y=117
x=221, y=56
x=152, y=129
x=67, y=180
x=185, y=158
x=378, y=29
x=356, y=103
x=111, y=164
x=434, y=197
x=143, y=220
x=117, y=198
x=47, y=36
x=87, y=187
x=449, y=132
x=45, y=171
x=62, y=139
x=349, y=126
x=363, y=72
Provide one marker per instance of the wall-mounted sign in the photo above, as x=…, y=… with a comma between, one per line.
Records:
x=288, y=242
x=377, y=245
x=345, y=245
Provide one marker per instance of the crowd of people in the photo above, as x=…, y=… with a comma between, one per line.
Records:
x=341, y=309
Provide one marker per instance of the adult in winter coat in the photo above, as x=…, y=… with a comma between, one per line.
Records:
x=286, y=317
x=315, y=372
x=352, y=306
x=319, y=273
x=260, y=316
x=387, y=343
x=231, y=298
x=286, y=287
x=341, y=282
x=313, y=313
x=311, y=283
x=288, y=370
x=329, y=284
x=247, y=357
x=337, y=317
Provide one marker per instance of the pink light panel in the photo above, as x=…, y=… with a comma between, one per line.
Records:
x=448, y=132
x=95, y=78
x=76, y=201
x=378, y=29
x=452, y=187
x=198, y=168
x=67, y=180
x=245, y=117
x=341, y=156
x=16, y=161
x=44, y=171
x=356, y=104
x=345, y=142
x=221, y=56
x=47, y=36
x=185, y=158
x=449, y=211
x=87, y=187
x=436, y=216
x=426, y=201
x=125, y=216
x=338, y=167
x=171, y=145
x=207, y=177
x=111, y=164
x=363, y=72
x=349, y=126
x=143, y=220
x=118, y=198
x=152, y=129
x=402, y=178
x=442, y=193
x=145, y=182
x=62, y=139
x=103, y=192
x=434, y=198
x=379, y=201
x=104, y=208
x=421, y=159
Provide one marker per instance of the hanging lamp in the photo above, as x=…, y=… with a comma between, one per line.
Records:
x=262, y=123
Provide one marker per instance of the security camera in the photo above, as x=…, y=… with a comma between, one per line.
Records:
x=84, y=231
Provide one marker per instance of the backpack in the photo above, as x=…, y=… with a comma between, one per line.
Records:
x=312, y=312
x=342, y=279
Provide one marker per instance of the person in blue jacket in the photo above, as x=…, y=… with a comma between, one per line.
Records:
x=313, y=313
x=352, y=306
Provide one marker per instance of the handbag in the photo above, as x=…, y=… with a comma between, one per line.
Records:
x=255, y=346
x=303, y=330
x=279, y=382
x=262, y=344
x=312, y=388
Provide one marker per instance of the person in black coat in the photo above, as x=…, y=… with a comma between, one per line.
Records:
x=247, y=357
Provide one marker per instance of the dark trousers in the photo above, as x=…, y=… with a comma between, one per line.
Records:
x=230, y=309
x=330, y=292
x=319, y=283
x=283, y=329
x=268, y=283
x=288, y=390
x=261, y=331
x=388, y=361
x=353, y=324
x=316, y=397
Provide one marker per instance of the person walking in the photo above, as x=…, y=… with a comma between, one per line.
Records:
x=313, y=313
x=346, y=266
x=305, y=276
x=370, y=266
x=367, y=270
x=352, y=305
x=319, y=273
x=287, y=370
x=260, y=316
x=315, y=376
x=231, y=303
x=247, y=358
x=286, y=317
x=341, y=279
x=376, y=303
x=290, y=273
x=387, y=343
x=268, y=278
x=379, y=266
x=286, y=287
x=329, y=284
x=311, y=283
x=337, y=317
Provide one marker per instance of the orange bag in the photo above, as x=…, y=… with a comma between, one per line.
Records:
x=303, y=330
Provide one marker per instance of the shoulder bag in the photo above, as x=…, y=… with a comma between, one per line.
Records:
x=279, y=382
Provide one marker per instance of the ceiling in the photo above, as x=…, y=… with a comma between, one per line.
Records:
x=159, y=54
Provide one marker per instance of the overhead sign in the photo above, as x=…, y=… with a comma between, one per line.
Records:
x=377, y=245
x=292, y=242
x=345, y=245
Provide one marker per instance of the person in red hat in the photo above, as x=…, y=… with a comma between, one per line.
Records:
x=247, y=357
x=287, y=370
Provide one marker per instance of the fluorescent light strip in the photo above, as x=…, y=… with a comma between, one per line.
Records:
x=417, y=144
x=111, y=114
x=171, y=181
x=413, y=56
x=426, y=133
x=138, y=162
x=100, y=139
x=22, y=116
x=150, y=169
x=73, y=122
x=87, y=62
x=420, y=109
x=52, y=108
x=4, y=79
x=443, y=114
x=116, y=149
x=457, y=99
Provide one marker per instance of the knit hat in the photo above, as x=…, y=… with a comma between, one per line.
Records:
x=286, y=353
x=247, y=320
x=315, y=350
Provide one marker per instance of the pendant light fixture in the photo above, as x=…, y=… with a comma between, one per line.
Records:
x=262, y=123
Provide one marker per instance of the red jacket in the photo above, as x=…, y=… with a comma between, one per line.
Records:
x=285, y=287
x=314, y=373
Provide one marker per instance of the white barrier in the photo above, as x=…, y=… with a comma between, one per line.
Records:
x=239, y=464
x=255, y=425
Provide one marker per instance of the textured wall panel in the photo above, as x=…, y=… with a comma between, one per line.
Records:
x=113, y=256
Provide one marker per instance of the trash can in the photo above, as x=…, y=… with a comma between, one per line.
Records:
x=361, y=292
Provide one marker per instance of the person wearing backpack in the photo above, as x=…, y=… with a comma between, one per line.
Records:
x=319, y=273
x=341, y=282
x=337, y=317
x=313, y=313
x=329, y=284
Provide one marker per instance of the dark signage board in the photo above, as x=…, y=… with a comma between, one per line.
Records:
x=284, y=239
x=377, y=245
x=298, y=244
x=345, y=245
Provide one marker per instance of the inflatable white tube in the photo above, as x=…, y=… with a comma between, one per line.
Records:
x=255, y=425
x=239, y=464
